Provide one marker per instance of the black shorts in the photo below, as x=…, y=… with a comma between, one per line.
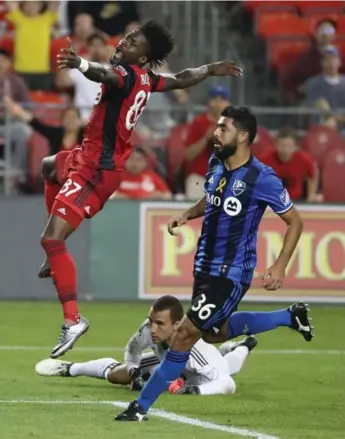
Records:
x=214, y=300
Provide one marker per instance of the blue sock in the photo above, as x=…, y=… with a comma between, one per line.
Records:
x=170, y=368
x=255, y=322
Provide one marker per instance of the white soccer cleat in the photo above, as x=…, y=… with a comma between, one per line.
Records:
x=69, y=335
x=53, y=368
x=227, y=347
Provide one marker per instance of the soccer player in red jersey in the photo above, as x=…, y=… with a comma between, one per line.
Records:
x=79, y=183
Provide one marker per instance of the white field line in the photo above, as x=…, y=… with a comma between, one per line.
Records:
x=121, y=349
x=160, y=414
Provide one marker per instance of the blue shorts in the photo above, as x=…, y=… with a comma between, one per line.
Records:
x=214, y=300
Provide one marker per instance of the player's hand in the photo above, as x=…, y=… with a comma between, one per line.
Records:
x=224, y=68
x=273, y=277
x=137, y=383
x=68, y=58
x=176, y=222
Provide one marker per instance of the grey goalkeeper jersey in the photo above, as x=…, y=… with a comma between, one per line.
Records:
x=206, y=367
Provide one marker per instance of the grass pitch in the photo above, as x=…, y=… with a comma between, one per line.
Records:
x=288, y=388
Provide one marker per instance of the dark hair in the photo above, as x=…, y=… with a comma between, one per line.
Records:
x=169, y=302
x=159, y=40
x=5, y=52
x=244, y=120
x=140, y=150
x=96, y=36
x=287, y=132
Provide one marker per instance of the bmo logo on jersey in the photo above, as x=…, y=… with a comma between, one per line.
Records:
x=231, y=205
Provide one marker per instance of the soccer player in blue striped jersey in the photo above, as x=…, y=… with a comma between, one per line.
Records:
x=238, y=189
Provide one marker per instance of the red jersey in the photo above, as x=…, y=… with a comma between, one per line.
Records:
x=196, y=131
x=106, y=143
x=294, y=172
x=142, y=185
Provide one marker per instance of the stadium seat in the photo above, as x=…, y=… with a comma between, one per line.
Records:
x=175, y=151
x=320, y=140
x=283, y=23
x=7, y=43
x=308, y=8
x=38, y=149
x=333, y=176
x=255, y=5
x=282, y=51
x=263, y=143
x=51, y=115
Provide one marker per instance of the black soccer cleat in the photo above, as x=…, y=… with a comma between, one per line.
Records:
x=300, y=321
x=188, y=390
x=44, y=271
x=133, y=413
x=250, y=342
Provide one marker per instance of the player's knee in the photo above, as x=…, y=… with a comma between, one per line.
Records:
x=229, y=386
x=47, y=168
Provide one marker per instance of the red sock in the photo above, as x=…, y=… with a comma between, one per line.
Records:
x=64, y=275
x=50, y=192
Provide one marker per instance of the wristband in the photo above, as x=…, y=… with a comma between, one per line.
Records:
x=84, y=65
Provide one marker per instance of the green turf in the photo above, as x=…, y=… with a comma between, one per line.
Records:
x=295, y=396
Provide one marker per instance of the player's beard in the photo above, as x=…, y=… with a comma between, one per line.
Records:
x=227, y=150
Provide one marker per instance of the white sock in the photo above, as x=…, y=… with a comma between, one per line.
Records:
x=236, y=358
x=94, y=369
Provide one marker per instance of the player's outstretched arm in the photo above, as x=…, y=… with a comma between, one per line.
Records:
x=189, y=77
x=68, y=59
x=196, y=211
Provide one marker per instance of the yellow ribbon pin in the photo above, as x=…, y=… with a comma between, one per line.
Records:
x=221, y=185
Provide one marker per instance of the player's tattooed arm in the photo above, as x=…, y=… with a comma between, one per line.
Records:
x=98, y=73
x=196, y=211
x=189, y=77
x=68, y=59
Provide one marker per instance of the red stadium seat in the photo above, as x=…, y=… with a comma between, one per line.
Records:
x=38, y=149
x=320, y=140
x=175, y=151
x=261, y=4
x=7, y=43
x=282, y=51
x=311, y=7
x=333, y=177
x=50, y=115
x=281, y=24
x=263, y=143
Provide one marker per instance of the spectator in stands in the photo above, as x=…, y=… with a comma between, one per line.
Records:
x=330, y=84
x=85, y=91
x=139, y=181
x=199, y=143
x=33, y=24
x=112, y=17
x=13, y=85
x=293, y=166
x=66, y=136
x=83, y=28
x=157, y=119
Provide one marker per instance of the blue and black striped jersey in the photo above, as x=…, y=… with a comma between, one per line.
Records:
x=236, y=202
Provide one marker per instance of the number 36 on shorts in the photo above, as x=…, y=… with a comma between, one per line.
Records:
x=204, y=310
